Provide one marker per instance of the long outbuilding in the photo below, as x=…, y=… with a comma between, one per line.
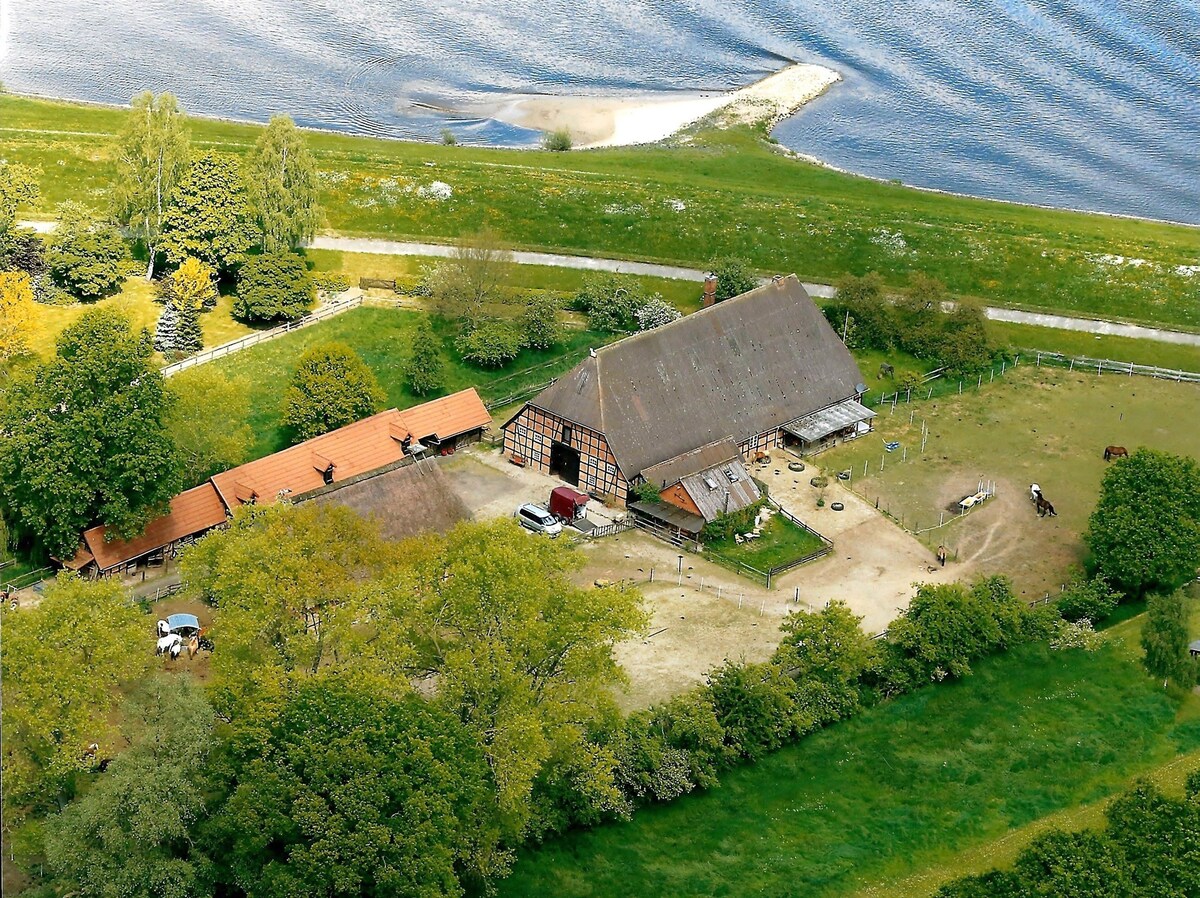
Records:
x=317, y=467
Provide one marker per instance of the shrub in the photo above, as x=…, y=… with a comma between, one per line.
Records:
x=448, y=137
x=756, y=706
x=331, y=387
x=86, y=257
x=647, y=491
x=330, y=282
x=734, y=277
x=274, y=287
x=655, y=312
x=492, y=344
x=1087, y=599
x=648, y=767
x=557, y=141
x=1078, y=634
x=610, y=303
x=539, y=322
x=726, y=525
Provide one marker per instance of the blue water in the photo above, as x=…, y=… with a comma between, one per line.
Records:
x=1082, y=103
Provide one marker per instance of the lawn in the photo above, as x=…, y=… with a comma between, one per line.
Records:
x=382, y=337
x=781, y=542
x=135, y=301
x=1096, y=346
x=721, y=193
x=907, y=786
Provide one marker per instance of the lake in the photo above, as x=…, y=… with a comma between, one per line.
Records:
x=1078, y=103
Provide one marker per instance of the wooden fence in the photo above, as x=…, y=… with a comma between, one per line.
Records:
x=336, y=307
x=25, y=580
x=1102, y=366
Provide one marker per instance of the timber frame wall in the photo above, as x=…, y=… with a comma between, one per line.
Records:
x=533, y=431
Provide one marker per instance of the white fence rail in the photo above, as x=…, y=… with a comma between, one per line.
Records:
x=345, y=302
x=1101, y=366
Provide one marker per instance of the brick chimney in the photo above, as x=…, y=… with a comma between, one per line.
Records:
x=710, y=290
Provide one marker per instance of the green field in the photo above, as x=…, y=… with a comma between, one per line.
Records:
x=907, y=786
x=723, y=192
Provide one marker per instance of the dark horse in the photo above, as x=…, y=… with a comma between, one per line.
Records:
x=1111, y=452
x=1044, y=507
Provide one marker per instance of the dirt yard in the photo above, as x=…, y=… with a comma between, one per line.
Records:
x=1036, y=426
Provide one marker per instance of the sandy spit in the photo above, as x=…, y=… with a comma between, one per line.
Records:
x=624, y=121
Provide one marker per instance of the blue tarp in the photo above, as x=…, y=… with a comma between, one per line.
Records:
x=178, y=622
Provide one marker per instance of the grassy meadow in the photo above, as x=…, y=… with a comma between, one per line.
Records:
x=711, y=193
x=935, y=781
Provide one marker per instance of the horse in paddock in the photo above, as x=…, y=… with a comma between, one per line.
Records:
x=1044, y=507
x=1111, y=452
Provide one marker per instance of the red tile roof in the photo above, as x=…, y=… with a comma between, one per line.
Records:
x=352, y=450
x=192, y=512
x=447, y=417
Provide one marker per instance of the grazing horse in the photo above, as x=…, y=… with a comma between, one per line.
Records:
x=1111, y=452
x=1044, y=507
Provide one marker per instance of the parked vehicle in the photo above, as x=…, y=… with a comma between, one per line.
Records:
x=539, y=520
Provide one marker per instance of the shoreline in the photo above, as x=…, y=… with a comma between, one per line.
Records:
x=794, y=154
x=598, y=122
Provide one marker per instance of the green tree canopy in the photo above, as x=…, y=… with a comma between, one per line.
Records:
x=18, y=187
x=209, y=216
x=610, y=302
x=1165, y=639
x=464, y=284
x=274, y=287
x=826, y=653
x=87, y=255
x=331, y=387
x=207, y=420
x=83, y=437
x=358, y=791
x=282, y=175
x=131, y=833
x=282, y=579
x=1145, y=532
x=152, y=153
x=539, y=322
x=66, y=660
x=425, y=367
x=520, y=654
x=734, y=277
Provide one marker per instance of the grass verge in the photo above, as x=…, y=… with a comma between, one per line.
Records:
x=724, y=192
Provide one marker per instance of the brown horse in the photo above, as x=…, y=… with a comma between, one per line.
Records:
x=1044, y=507
x=1111, y=452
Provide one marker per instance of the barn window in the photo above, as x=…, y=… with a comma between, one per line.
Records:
x=566, y=434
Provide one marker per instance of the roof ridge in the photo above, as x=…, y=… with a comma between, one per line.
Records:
x=771, y=282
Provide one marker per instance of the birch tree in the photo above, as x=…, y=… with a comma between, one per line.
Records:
x=282, y=176
x=151, y=159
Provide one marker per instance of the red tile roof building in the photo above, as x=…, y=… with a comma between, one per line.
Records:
x=338, y=456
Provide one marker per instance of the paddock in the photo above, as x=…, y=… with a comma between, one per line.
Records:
x=1038, y=425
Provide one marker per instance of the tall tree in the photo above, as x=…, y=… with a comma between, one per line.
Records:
x=209, y=216
x=16, y=313
x=207, y=420
x=827, y=653
x=131, y=833
x=1145, y=532
x=65, y=662
x=282, y=579
x=82, y=437
x=1165, y=639
x=357, y=792
x=520, y=654
x=152, y=152
x=463, y=285
x=331, y=387
x=425, y=367
x=282, y=175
